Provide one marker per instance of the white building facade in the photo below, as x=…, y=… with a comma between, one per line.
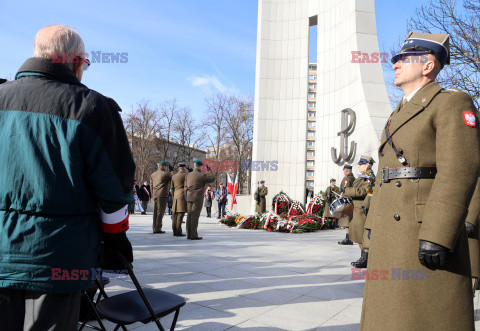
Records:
x=348, y=76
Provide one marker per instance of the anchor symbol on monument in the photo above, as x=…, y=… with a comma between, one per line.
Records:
x=348, y=122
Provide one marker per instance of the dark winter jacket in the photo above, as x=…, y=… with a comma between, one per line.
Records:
x=63, y=154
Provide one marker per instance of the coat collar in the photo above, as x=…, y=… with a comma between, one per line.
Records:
x=418, y=103
x=36, y=66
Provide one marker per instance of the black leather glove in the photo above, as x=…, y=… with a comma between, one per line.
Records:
x=369, y=233
x=113, y=243
x=471, y=230
x=432, y=256
x=342, y=190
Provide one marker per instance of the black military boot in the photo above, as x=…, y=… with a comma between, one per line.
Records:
x=362, y=262
x=346, y=241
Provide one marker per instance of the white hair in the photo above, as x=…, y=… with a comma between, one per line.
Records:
x=65, y=40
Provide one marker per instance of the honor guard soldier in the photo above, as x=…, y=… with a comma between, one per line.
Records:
x=260, y=194
x=429, y=161
x=179, y=207
x=329, y=196
x=359, y=193
x=347, y=181
x=160, y=181
x=195, y=182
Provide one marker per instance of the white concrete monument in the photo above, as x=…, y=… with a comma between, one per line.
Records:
x=349, y=94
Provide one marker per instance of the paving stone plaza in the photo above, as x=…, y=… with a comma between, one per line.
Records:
x=248, y=279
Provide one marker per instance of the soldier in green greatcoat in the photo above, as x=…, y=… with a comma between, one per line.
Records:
x=261, y=201
x=160, y=181
x=195, y=182
x=347, y=181
x=429, y=164
x=329, y=195
x=360, y=194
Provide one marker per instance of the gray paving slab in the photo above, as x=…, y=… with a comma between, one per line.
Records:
x=248, y=280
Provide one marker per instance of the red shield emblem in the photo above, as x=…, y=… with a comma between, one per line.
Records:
x=469, y=119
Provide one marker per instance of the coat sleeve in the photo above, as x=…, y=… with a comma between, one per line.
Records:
x=357, y=191
x=109, y=165
x=457, y=161
x=172, y=188
x=474, y=207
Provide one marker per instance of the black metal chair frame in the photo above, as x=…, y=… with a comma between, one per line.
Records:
x=153, y=317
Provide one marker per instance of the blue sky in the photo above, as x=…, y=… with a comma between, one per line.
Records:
x=186, y=49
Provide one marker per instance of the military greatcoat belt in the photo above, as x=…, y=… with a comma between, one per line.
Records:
x=408, y=173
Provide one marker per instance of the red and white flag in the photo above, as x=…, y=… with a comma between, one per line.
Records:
x=232, y=189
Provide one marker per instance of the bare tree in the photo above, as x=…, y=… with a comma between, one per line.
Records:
x=185, y=133
x=463, y=25
x=167, y=112
x=141, y=124
x=239, y=121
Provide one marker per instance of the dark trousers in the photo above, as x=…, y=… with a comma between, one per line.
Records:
x=221, y=208
x=177, y=219
x=193, y=213
x=145, y=206
x=29, y=310
x=131, y=208
x=160, y=204
x=209, y=211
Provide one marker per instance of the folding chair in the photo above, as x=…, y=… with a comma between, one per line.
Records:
x=88, y=310
x=142, y=305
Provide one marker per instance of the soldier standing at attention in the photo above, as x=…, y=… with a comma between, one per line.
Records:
x=195, y=182
x=429, y=158
x=359, y=193
x=179, y=207
x=260, y=194
x=329, y=196
x=347, y=181
x=160, y=181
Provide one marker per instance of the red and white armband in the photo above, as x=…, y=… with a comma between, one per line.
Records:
x=115, y=222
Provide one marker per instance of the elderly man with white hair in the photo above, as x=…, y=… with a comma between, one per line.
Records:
x=66, y=178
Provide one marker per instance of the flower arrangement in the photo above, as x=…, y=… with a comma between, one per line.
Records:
x=289, y=216
x=296, y=209
x=229, y=220
x=316, y=206
x=251, y=222
x=281, y=203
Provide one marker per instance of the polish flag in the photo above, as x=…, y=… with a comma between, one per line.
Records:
x=232, y=189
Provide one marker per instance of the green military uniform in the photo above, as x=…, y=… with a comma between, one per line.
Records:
x=195, y=182
x=346, y=182
x=358, y=193
x=261, y=201
x=329, y=196
x=160, y=181
x=433, y=131
x=473, y=242
x=179, y=207
x=365, y=241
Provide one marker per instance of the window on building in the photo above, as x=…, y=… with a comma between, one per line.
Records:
x=310, y=163
x=311, y=124
x=311, y=133
x=311, y=105
x=311, y=114
x=310, y=143
x=168, y=153
x=312, y=86
x=311, y=95
x=310, y=173
x=310, y=153
x=312, y=76
x=309, y=182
